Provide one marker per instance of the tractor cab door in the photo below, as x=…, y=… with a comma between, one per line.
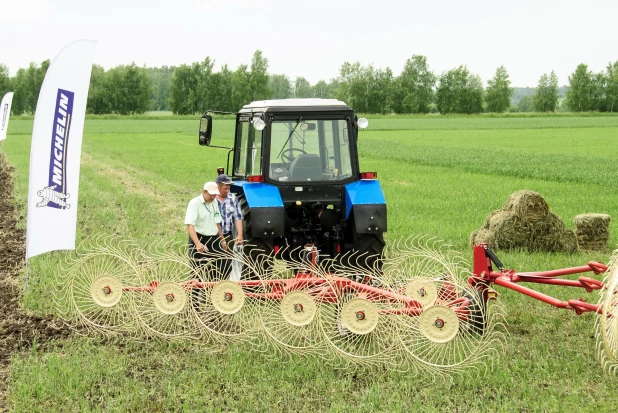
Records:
x=247, y=149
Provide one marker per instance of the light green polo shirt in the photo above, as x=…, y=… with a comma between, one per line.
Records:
x=204, y=217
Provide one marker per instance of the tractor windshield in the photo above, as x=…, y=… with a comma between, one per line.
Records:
x=310, y=150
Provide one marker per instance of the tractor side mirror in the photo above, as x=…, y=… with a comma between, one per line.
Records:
x=205, y=130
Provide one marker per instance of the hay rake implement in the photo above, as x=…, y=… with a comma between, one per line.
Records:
x=428, y=319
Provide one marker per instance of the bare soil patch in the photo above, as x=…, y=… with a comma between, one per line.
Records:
x=18, y=329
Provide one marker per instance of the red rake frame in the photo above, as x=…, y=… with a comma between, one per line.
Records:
x=484, y=275
x=327, y=290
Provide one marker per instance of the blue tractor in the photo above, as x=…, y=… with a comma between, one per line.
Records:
x=296, y=173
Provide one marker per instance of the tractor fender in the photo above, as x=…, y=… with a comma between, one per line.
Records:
x=366, y=199
x=266, y=208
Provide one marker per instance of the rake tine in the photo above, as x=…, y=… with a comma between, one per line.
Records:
x=606, y=325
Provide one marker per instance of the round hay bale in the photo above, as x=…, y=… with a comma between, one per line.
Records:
x=559, y=241
x=487, y=222
x=528, y=205
x=496, y=218
x=510, y=231
x=592, y=231
x=525, y=223
x=551, y=225
x=483, y=236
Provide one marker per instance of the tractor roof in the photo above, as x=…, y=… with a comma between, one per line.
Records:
x=296, y=104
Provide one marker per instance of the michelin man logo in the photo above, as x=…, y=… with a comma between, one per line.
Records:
x=49, y=194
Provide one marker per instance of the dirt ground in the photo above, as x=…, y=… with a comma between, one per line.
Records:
x=18, y=329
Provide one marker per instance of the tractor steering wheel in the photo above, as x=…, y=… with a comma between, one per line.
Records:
x=287, y=154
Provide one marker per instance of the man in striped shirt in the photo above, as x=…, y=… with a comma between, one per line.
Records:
x=231, y=220
x=231, y=216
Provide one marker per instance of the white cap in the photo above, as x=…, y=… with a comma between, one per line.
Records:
x=212, y=188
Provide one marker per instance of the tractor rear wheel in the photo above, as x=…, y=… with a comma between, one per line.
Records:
x=368, y=250
x=258, y=249
x=478, y=311
x=260, y=255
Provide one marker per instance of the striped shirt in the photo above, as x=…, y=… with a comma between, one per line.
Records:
x=230, y=212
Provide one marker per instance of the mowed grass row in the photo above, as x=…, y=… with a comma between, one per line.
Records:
x=137, y=177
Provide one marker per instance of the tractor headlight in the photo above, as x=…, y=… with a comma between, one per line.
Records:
x=362, y=123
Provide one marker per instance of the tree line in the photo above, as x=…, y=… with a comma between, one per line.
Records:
x=194, y=88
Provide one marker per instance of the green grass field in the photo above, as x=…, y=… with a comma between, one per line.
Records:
x=441, y=176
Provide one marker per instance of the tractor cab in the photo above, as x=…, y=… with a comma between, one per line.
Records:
x=293, y=140
x=300, y=150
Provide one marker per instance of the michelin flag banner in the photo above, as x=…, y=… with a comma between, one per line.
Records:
x=56, y=150
x=5, y=112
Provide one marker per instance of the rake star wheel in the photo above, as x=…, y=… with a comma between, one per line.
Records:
x=223, y=308
x=289, y=315
x=445, y=337
x=298, y=308
x=169, y=298
x=95, y=283
x=163, y=308
x=289, y=312
x=439, y=324
x=477, y=317
x=607, y=322
x=357, y=328
x=360, y=316
x=106, y=290
x=422, y=290
x=227, y=297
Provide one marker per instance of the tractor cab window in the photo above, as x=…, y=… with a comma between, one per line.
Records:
x=248, y=156
x=310, y=150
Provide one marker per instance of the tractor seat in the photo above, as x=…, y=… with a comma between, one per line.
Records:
x=306, y=167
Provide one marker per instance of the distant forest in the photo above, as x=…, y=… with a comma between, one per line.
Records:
x=194, y=88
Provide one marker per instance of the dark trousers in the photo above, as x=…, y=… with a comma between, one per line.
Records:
x=206, y=267
x=203, y=262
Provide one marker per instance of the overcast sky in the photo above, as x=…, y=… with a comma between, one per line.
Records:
x=313, y=38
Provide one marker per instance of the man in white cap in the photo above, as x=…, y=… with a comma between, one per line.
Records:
x=203, y=221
